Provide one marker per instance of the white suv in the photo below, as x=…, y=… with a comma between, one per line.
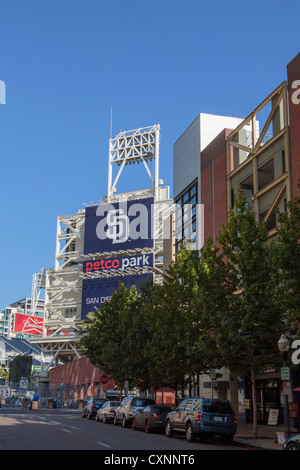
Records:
x=128, y=407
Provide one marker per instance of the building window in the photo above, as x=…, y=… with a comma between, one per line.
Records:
x=283, y=161
x=265, y=174
x=186, y=216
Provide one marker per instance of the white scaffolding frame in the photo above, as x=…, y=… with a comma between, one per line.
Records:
x=69, y=239
x=38, y=286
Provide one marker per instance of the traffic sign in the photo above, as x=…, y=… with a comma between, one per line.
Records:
x=286, y=387
x=285, y=373
x=104, y=379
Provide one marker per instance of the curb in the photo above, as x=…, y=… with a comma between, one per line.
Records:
x=249, y=446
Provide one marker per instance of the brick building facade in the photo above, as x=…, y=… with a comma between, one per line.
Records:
x=214, y=185
x=80, y=380
x=293, y=76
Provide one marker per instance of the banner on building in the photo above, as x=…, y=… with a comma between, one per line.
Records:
x=125, y=225
x=121, y=263
x=96, y=291
x=28, y=324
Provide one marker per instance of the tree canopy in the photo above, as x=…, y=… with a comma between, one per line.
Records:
x=226, y=305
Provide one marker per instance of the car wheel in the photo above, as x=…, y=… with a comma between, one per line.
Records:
x=189, y=433
x=83, y=414
x=124, y=424
x=89, y=415
x=133, y=425
x=115, y=420
x=292, y=446
x=147, y=426
x=168, y=430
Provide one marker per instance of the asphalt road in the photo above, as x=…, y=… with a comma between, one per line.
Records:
x=67, y=430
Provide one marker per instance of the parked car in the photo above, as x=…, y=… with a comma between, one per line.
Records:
x=293, y=443
x=202, y=417
x=128, y=407
x=150, y=418
x=90, y=409
x=107, y=411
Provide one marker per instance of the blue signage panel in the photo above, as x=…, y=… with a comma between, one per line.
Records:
x=98, y=290
x=126, y=225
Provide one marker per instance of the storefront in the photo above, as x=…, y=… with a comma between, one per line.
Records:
x=270, y=399
x=267, y=399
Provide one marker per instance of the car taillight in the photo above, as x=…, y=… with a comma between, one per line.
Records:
x=156, y=415
x=199, y=417
x=93, y=407
x=111, y=411
x=235, y=420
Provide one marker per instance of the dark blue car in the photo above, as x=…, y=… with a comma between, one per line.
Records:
x=203, y=418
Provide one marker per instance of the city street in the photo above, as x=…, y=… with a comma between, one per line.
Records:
x=22, y=429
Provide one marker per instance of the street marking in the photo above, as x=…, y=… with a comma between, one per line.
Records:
x=66, y=430
x=101, y=444
x=109, y=439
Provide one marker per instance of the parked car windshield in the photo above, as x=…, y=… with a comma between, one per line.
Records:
x=143, y=402
x=216, y=406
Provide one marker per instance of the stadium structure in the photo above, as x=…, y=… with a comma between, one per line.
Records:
x=88, y=265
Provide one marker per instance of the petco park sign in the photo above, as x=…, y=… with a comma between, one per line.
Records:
x=111, y=264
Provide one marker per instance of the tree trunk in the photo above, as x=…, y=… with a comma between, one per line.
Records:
x=254, y=404
x=193, y=386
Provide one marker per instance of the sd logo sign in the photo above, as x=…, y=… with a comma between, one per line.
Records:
x=118, y=226
x=126, y=225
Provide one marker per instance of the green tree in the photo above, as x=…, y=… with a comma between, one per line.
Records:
x=103, y=336
x=117, y=339
x=4, y=373
x=247, y=325
x=214, y=299
x=286, y=264
x=176, y=322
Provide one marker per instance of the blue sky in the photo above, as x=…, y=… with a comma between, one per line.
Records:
x=65, y=63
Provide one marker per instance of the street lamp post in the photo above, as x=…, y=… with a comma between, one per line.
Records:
x=284, y=346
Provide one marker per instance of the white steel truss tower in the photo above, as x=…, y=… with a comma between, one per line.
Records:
x=131, y=147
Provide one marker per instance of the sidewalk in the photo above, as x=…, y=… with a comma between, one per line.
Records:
x=266, y=439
